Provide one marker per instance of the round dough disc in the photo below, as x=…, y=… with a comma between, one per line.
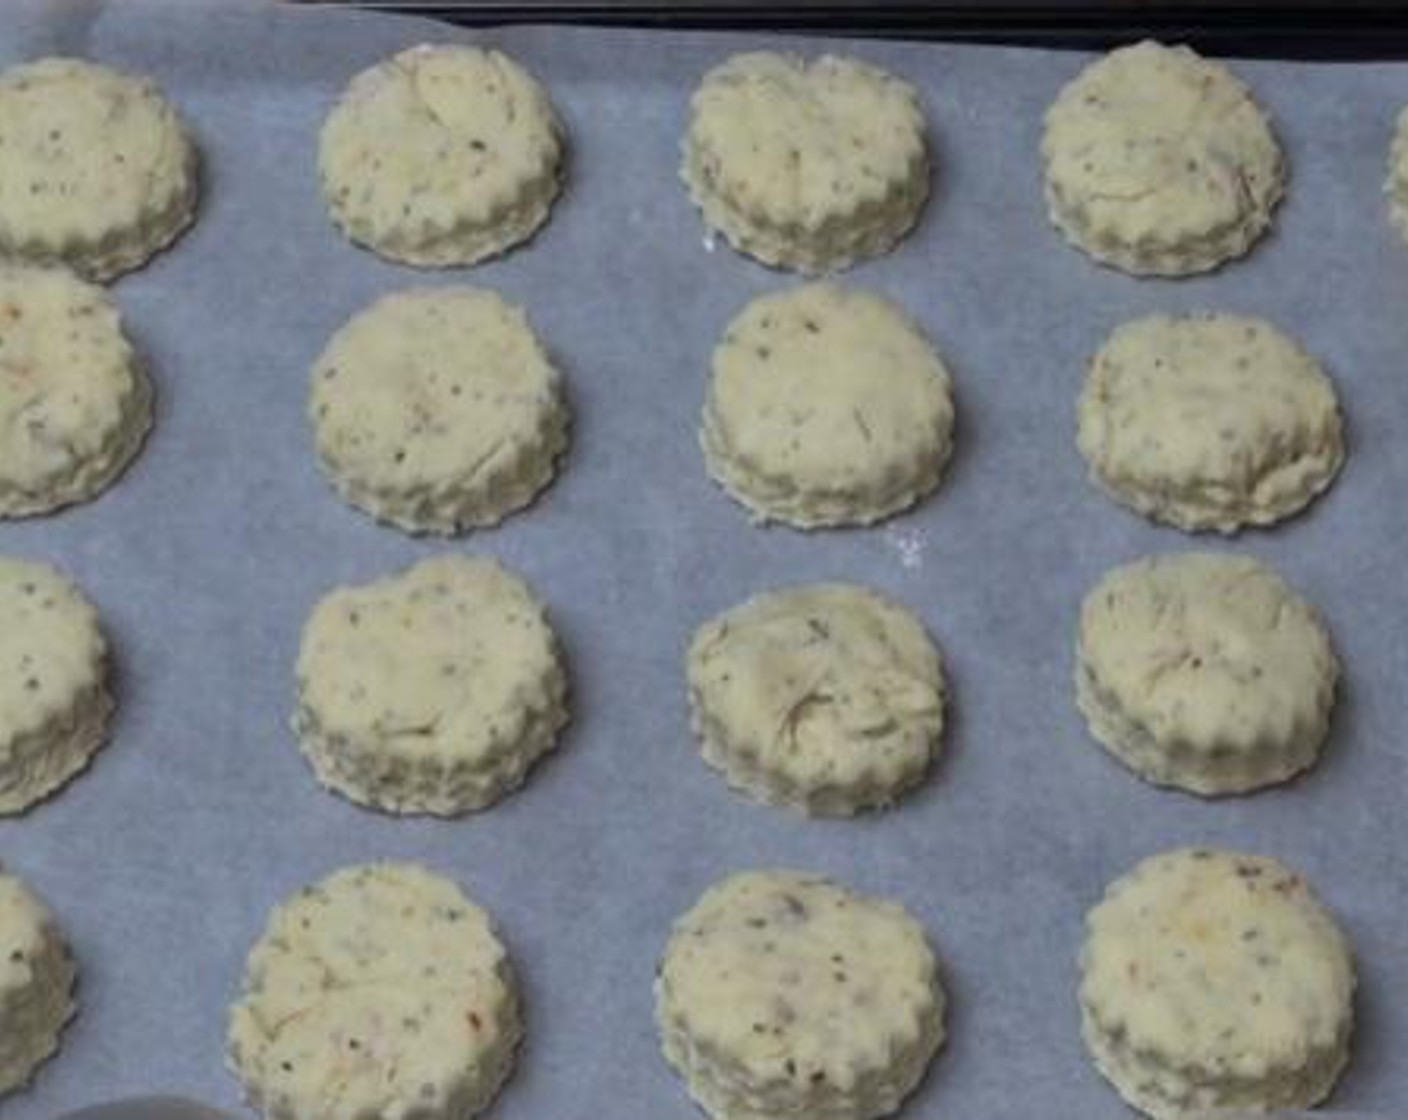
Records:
x=37, y=974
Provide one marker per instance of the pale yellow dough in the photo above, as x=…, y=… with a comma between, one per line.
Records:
x=37, y=975
x=442, y=155
x=808, y=165
x=1160, y=162
x=75, y=403
x=54, y=698
x=1396, y=185
x=826, y=698
x=1213, y=979
x=97, y=170
x=437, y=410
x=381, y=991
x=1205, y=671
x=1209, y=421
x=827, y=407
x=430, y=691
x=781, y=994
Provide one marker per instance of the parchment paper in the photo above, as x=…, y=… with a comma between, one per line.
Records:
x=165, y=858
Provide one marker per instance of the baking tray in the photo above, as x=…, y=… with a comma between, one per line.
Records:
x=164, y=860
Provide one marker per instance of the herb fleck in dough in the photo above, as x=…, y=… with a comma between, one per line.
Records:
x=1213, y=979
x=75, y=404
x=1206, y=672
x=804, y=165
x=430, y=691
x=783, y=994
x=437, y=410
x=1159, y=162
x=826, y=698
x=442, y=155
x=1209, y=421
x=96, y=170
x=36, y=983
x=380, y=991
x=827, y=407
x=54, y=698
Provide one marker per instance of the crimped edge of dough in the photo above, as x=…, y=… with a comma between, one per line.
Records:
x=92, y=476
x=1162, y=1089
x=40, y=762
x=36, y=1014
x=1396, y=185
x=376, y=774
x=1210, y=769
x=772, y=499
x=453, y=508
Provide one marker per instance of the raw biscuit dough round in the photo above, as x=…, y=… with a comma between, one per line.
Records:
x=827, y=698
x=437, y=410
x=75, y=404
x=1396, y=186
x=827, y=407
x=433, y=690
x=1212, y=979
x=1160, y=163
x=37, y=974
x=442, y=155
x=807, y=165
x=379, y=991
x=54, y=698
x=783, y=994
x=1205, y=671
x=98, y=172
x=1209, y=421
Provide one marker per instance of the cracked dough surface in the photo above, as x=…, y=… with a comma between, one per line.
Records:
x=806, y=164
x=1160, y=162
x=433, y=690
x=1209, y=421
x=441, y=155
x=378, y=991
x=781, y=994
x=827, y=698
x=827, y=406
x=437, y=410
x=1215, y=979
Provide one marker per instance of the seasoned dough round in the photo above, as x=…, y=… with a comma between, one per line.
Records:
x=379, y=991
x=75, y=404
x=1205, y=671
x=97, y=170
x=54, y=699
x=437, y=410
x=1209, y=421
x=1212, y=979
x=782, y=994
x=827, y=698
x=806, y=165
x=1159, y=162
x=430, y=691
x=36, y=983
x=442, y=155
x=1396, y=186
x=828, y=406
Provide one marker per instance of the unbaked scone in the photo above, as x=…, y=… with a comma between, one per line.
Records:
x=781, y=994
x=1209, y=421
x=437, y=410
x=442, y=155
x=37, y=974
x=54, y=698
x=75, y=404
x=1212, y=979
x=98, y=172
x=827, y=698
x=827, y=407
x=1205, y=671
x=1396, y=186
x=381, y=991
x=1160, y=163
x=807, y=165
x=429, y=691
